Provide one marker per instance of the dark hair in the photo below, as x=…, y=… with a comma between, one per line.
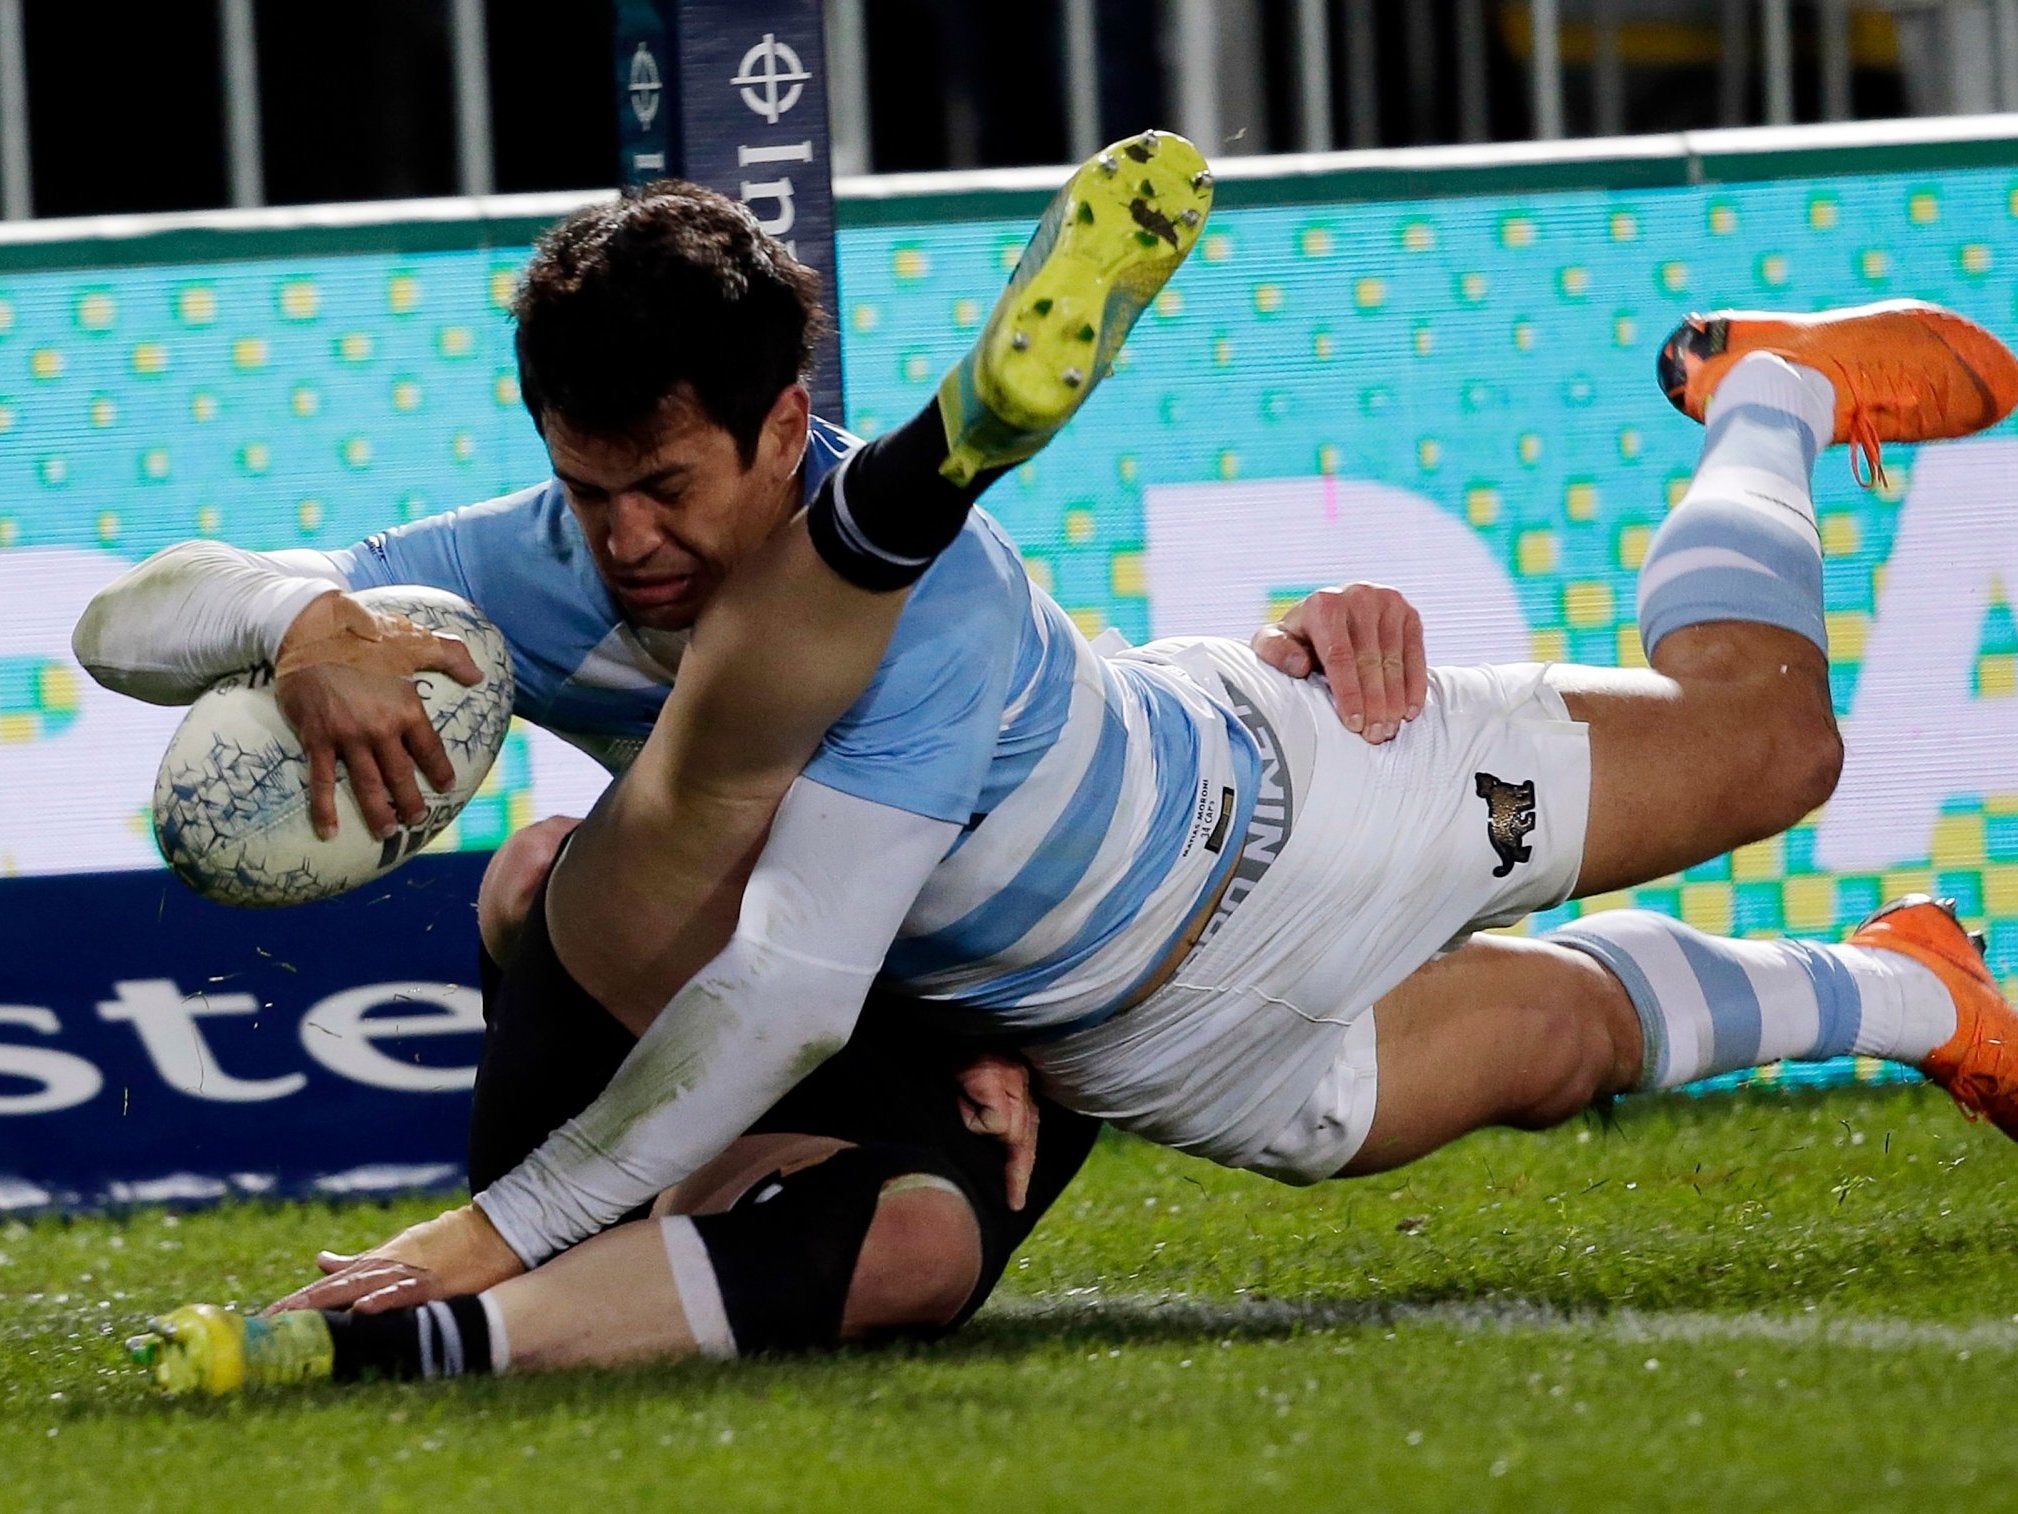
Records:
x=670, y=285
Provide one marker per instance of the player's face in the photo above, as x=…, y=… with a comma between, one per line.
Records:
x=669, y=511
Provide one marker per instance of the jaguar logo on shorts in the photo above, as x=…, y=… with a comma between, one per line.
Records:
x=1510, y=815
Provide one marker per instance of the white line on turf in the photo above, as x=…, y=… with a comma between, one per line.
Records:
x=1152, y=1316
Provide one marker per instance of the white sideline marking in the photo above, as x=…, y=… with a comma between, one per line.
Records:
x=1150, y=1313
x=16, y=1194
x=389, y=1177
x=176, y=1187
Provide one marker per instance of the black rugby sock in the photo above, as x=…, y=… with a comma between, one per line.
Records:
x=881, y=518
x=448, y=1339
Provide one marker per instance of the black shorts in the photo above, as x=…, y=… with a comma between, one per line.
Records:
x=549, y=1049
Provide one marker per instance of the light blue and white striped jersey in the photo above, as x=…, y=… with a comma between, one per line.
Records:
x=1100, y=799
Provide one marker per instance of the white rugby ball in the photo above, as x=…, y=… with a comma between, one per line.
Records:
x=231, y=799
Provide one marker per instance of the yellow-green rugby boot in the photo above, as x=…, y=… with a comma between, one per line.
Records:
x=201, y=1348
x=1109, y=240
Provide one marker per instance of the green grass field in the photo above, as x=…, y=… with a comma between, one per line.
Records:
x=1735, y=1303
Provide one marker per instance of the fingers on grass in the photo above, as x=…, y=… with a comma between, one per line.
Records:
x=393, y=1295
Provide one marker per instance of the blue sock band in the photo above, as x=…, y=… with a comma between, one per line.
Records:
x=1708, y=1005
x=1718, y=560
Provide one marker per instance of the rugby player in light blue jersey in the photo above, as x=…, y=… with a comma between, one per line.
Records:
x=661, y=342
x=1207, y=912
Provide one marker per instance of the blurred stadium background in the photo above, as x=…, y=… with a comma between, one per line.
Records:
x=245, y=100
x=1416, y=346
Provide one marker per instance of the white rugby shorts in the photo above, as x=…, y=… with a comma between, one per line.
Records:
x=1362, y=863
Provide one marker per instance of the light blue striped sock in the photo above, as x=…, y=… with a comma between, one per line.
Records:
x=1742, y=544
x=1708, y=1004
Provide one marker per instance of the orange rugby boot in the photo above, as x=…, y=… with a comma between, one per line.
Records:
x=1904, y=370
x=1978, y=1065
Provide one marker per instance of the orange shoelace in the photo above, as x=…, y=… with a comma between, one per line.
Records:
x=1892, y=389
x=1865, y=447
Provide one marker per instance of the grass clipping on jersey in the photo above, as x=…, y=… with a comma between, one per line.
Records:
x=1774, y=1302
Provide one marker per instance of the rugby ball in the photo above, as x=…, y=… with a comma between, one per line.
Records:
x=231, y=799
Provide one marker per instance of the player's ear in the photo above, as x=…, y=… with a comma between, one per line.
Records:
x=782, y=442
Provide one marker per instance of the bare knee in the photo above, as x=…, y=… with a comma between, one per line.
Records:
x=1583, y=1043
x=1777, y=753
x=1823, y=744
x=919, y=1263
x=1788, y=750
x=1764, y=693
x=1801, y=762
x=1570, y=1070
x=513, y=879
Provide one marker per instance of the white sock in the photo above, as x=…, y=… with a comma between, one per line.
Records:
x=1708, y=1004
x=1908, y=1011
x=1743, y=544
x=1738, y=462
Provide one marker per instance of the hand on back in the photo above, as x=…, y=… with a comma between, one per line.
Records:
x=344, y=680
x=1366, y=639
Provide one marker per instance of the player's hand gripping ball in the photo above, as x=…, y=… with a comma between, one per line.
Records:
x=231, y=802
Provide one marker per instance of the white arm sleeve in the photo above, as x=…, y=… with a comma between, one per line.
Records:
x=166, y=630
x=833, y=884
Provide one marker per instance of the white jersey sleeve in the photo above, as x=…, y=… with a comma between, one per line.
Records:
x=166, y=630
x=828, y=893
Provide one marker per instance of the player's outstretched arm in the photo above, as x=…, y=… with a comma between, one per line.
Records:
x=821, y=909
x=168, y=628
x=833, y=884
